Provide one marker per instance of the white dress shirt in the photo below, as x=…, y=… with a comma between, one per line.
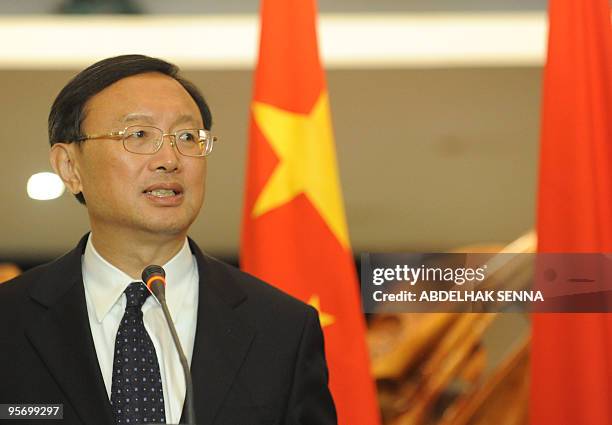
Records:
x=104, y=286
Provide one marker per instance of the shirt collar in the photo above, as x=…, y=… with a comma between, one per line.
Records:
x=106, y=283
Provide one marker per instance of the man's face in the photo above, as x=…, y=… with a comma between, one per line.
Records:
x=127, y=191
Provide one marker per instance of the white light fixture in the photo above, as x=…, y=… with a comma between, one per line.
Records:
x=412, y=40
x=45, y=186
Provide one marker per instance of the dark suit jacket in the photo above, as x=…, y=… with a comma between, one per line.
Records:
x=258, y=354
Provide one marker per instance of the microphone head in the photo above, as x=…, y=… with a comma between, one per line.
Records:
x=153, y=270
x=154, y=277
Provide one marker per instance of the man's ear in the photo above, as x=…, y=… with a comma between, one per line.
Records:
x=63, y=158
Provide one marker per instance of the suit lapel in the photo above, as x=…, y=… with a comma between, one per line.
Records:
x=222, y=337
x=62, y=338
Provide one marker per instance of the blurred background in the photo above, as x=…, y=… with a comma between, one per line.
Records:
x=436, y=109
x=436, y=115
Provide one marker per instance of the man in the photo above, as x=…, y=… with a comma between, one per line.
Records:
x=129, y=137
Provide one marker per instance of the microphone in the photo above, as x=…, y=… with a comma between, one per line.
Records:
x=154, y=278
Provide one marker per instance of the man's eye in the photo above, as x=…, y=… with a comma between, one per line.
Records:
x=187, y=137
x=137, y=134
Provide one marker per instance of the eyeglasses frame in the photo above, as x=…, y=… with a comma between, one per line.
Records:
x=121, y=134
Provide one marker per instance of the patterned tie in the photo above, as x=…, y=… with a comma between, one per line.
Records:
x=136, y=393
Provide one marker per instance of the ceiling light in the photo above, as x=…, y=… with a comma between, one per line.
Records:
x=45, y=186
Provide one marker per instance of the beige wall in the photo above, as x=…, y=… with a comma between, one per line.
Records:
x=429, y=159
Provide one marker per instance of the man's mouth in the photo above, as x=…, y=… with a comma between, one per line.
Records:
x=164, y=190
x=161, y=193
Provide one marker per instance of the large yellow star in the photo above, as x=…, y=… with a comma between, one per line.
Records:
x=324, y=318
x=304, y=146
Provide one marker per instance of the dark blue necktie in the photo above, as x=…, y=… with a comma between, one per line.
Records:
x=136, y=393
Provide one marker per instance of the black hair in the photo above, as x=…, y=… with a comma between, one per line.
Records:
x=68, y=110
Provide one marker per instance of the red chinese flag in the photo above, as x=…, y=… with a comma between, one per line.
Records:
x=571, y=372
x=294, y=233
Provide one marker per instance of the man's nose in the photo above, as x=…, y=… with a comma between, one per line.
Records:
x=167, y=157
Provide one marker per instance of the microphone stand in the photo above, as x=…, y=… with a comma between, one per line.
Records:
x=154, y=278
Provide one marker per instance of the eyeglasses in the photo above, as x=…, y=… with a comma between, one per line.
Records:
x=147, y=140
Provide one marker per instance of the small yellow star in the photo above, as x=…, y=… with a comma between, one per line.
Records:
x=326, y=319
x=305, y=149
